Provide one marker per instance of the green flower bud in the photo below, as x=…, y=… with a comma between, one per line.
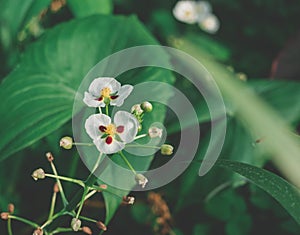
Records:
x=38, y=174
x=66, y=142
x=75, y=224
x=146, y=106
x=166, y=149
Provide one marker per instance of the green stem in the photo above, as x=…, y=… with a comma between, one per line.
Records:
x=142, y=146
x=9, y=230
x=61, y=190
x=79, y=182
x=86, y=189
x=127, y=162
x=140, y=136
x=88, y=219
x=97, y=163
x=106, y=110
x=25, y=221
x=52, y=218
x=62, y=230
x=53, y=201
x=90, y=194
x=83, y=144
x=100, y=110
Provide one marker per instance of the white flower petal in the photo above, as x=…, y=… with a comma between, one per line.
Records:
x=210, y=24
x=123, y=93
x=186, y=11
x=130, y=124
x=99, y=83
x=92, y=101
x=103, y=147
x=93, y=122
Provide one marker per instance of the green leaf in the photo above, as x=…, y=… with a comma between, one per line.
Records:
x=90, y=7
x=255, y=115
x=37, y=97
x=285, y=193
x=283, y=96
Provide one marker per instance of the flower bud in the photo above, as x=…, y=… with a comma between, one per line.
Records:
x=4, y=215
x=166, y=149
x=146, y=106
x=154, y=132
x=141, y=180
x=75, y=224
x=38, y=174
x=140, y=127
x=38, y=231
x=136, y=109
x=101, y=226
x=49, y=157
x=10, y=208
x=55, y=188
x=66, y=142
x=128, y=200
x=87, y=230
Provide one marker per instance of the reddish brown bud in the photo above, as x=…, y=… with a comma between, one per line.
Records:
x=55, y=188
x=87, y=230
x=11, y=208
x=49, y=157
x=4, y=215
x=101, y=226
x=38, y=231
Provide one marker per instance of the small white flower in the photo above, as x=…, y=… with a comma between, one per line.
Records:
x=136, y=109
x=141, y=180
x=186, y=11
x=75, y=224
x=106, y=90
x=111, y=137
x=203, y=9
x=210, y=24
x=154, y=132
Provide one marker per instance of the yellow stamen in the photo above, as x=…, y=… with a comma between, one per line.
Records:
x=111, y=129
x=105, y=92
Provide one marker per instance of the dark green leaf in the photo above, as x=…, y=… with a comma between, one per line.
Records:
x=285, y=193
x=90, y=7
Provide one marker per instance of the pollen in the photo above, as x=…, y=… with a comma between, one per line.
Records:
x=105, y=92
x=110, y=129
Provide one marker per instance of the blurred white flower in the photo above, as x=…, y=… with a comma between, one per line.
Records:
x=200, y=12
x=210, y=24
x=141, y=180
x=186, y=11
x=111, y=137
x=106, y=90
x=154, y=132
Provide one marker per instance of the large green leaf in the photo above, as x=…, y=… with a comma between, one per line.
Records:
x=37, y=98
x=90, y=7
x=285, y=193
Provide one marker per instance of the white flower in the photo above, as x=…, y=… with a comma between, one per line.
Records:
x=210, y=24
x=203, y=9
x=154, y=132
x=186, y=11
x=141, y=180
x=111, y=137
x=106, y=90
x=136, y=109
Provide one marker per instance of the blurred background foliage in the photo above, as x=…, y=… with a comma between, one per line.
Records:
x=257, y=39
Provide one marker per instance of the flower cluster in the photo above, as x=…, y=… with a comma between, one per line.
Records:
x=200, y=12
x=111, y=134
